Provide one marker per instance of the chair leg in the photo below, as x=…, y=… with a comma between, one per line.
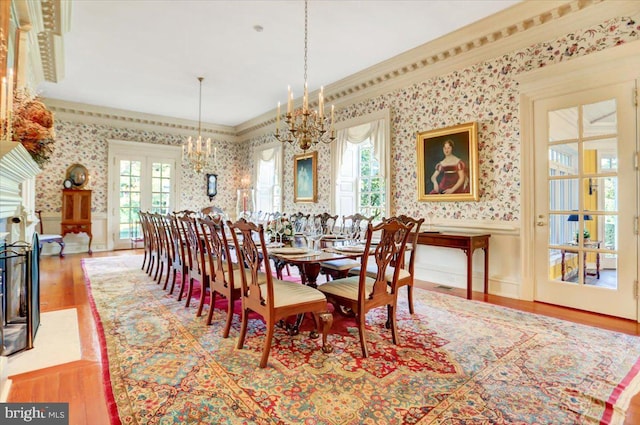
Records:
x=189, y=292
x=243, y=329
x=166, y=279
x=267, y=344
x=326, y=321
x=360, y=320
x=204, y=285
x=174, y=274
x=61, y=254
x=212, y=301
x=227, y=326
x=410, y=297
x=183, y=282
x=391, y=313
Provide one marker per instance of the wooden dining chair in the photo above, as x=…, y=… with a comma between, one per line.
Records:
x=225, y=279
x=326, y=221
x=48, y=238
x=407, y=268
x=178, y=256
x=298, y=221
x=276, y=299
x=352, y=226
x=359, y=294
x=163, y=248
x=194, y=257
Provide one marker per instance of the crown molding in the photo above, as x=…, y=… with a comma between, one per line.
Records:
x=91, y=114
x=519, y=26
x=45, y=21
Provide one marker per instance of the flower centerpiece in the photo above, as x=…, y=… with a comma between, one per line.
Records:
x=280, y=228
x=30, y=123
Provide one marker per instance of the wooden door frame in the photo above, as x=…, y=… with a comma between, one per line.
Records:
x=611, y=66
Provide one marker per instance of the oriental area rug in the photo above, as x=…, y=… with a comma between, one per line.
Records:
x=458, y=362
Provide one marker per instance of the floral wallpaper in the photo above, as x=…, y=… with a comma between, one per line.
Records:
x=87, y=144
x=485, y=92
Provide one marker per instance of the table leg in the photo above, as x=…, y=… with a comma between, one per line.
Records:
x=562, y=267
x=486, y=270
x=469, y=253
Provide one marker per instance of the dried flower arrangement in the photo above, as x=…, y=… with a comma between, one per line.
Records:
x=32, y=126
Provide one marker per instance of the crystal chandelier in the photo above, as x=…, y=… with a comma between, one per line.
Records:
x=305, y=126
x=197, y=152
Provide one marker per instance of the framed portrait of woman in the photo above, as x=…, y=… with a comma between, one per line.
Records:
x=305, y=177
x=448, y=163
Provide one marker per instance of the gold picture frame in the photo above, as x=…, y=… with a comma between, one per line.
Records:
x=305, y=177
x=448, y=163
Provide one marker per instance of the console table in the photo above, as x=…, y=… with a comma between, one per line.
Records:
x=468, y=242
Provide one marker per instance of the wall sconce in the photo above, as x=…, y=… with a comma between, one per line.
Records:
x=244, y=182
x=593, y=186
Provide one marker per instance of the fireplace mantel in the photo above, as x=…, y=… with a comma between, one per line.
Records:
x=16, y=167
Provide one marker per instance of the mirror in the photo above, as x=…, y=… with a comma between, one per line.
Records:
x=79, y=175
x=212, y=185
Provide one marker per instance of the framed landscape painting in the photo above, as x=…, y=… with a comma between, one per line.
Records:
x=448, y=163
x=305, y=177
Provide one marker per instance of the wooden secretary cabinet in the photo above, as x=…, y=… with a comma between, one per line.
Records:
x=76, y=213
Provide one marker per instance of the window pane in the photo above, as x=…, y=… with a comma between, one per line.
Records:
x=563, y=159
x=563, y=194
x=599, y=118
x=563, y=124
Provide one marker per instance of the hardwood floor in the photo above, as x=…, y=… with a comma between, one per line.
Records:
x=80, y=383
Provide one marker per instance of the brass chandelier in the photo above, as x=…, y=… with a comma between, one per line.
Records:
x=305, y=126
x=197, y=152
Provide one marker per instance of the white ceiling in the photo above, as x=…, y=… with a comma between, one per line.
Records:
x=145, y=56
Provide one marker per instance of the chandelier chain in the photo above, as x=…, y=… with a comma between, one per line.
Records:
x=306, y=31
x=200, y=107
x=305, y=126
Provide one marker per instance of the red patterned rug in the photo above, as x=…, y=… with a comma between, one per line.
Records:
x=458, y=362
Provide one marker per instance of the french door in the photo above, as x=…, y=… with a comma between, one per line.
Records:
x=142, y=177
x=586, y=198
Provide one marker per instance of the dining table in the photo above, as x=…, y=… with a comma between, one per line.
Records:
x=308, y=261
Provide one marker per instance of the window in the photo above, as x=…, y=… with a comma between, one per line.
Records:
x=268, y=175
x=360, y=159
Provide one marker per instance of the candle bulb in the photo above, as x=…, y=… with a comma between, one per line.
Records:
x=10, y=94
x=208, y=147
x=3, y=99
x=305, y=98
x=321, y=103
x=332, y=115
x=289, y=101
x=189, y=147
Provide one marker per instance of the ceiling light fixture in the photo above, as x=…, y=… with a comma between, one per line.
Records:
x=197, y=152
x=304, y=126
